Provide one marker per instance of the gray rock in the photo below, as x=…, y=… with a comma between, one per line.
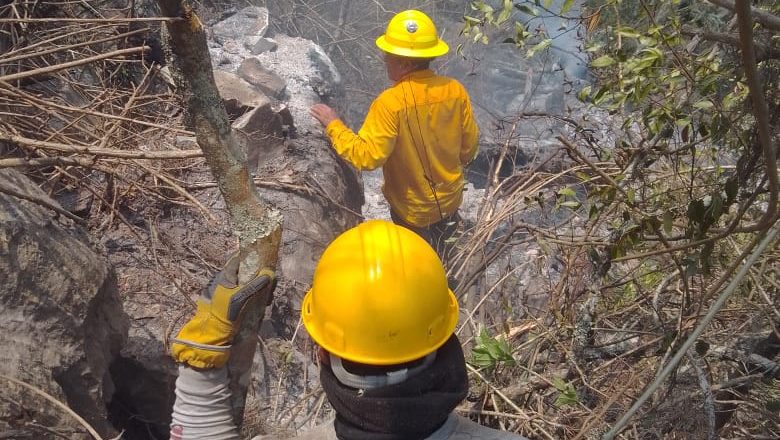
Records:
x=253, y=71
x=63, y=322
x=238, y=95
x=250, y=21
x=261, y=45
x=232, y=47
x=186, y=142
x=260, y=131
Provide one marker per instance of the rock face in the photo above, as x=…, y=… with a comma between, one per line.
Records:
x=62, y=323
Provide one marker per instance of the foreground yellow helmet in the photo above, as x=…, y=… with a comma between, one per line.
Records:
x=412, y=34
x=379, y=297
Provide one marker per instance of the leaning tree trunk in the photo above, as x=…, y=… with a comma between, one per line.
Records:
x=258, y=227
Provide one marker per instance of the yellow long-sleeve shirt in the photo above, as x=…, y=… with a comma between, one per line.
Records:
x=422, y=131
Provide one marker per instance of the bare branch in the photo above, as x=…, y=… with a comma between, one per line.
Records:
x=70, y=47
x=763, y=51
x=57, y=67
x=767, y=19
x=13, y=91
x=89, y=20
x=105, y=152
x=42, y=202
x=56, y=402
x=760, y=110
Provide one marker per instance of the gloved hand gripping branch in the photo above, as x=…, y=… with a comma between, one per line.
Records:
x=204, y=341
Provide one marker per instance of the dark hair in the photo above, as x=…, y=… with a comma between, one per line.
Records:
x=417, y=63
x=421, y=63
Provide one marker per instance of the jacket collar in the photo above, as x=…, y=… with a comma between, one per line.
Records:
x=417, y=74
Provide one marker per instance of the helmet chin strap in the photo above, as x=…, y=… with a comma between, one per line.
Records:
x=368, y=382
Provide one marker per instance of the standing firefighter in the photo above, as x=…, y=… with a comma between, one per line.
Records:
x=383, y=316
x=421, y=131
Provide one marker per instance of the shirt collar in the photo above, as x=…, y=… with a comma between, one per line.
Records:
x=425, y=73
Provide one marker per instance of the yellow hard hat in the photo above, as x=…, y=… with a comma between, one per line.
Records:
x=412, y=34
x=379, y=297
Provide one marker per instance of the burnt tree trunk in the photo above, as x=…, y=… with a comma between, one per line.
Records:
x=258, y=227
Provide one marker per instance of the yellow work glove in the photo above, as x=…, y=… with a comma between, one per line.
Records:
x=204, y=341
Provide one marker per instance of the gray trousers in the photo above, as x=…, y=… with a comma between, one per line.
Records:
x=439, y=235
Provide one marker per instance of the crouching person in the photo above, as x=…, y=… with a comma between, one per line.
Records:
x=383, y=317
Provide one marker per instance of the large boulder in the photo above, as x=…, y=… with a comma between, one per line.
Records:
x=63, y=322
x=250, y=21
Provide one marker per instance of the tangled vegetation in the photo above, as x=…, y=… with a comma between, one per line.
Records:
x=663, y=320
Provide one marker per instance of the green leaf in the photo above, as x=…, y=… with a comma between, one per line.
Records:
x=506, y=11
x=566, y=191
x=583, y=94
x=567, y=396
x=567, y=4
x=602, y=61
x=489, y=351
x=668, y=218
x=593, y=211
x=539, y=46
x=696, y=211
x=559, y=384
x=527, y=9
x=628, y=32
x=571, y=204
x=704, y=104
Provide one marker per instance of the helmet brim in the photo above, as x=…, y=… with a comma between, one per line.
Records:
x=437, y=50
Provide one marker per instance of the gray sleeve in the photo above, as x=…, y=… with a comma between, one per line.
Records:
x=468, y=430
x=202, y=407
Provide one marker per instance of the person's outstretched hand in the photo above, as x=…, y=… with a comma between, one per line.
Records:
x=324, y=114
x=204, y=341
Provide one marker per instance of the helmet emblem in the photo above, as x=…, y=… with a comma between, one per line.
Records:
x=411, y=26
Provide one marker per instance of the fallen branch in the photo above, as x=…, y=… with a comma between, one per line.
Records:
x=39, y=162
x=179, y=190
x=13, y=91
x=57, y=403
x=89, y=20
x=104, y=152
x=767, y=367
x=57, y=67
x=769, y=21
x=70, y=47
x=763, y=52
x=44, y=203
